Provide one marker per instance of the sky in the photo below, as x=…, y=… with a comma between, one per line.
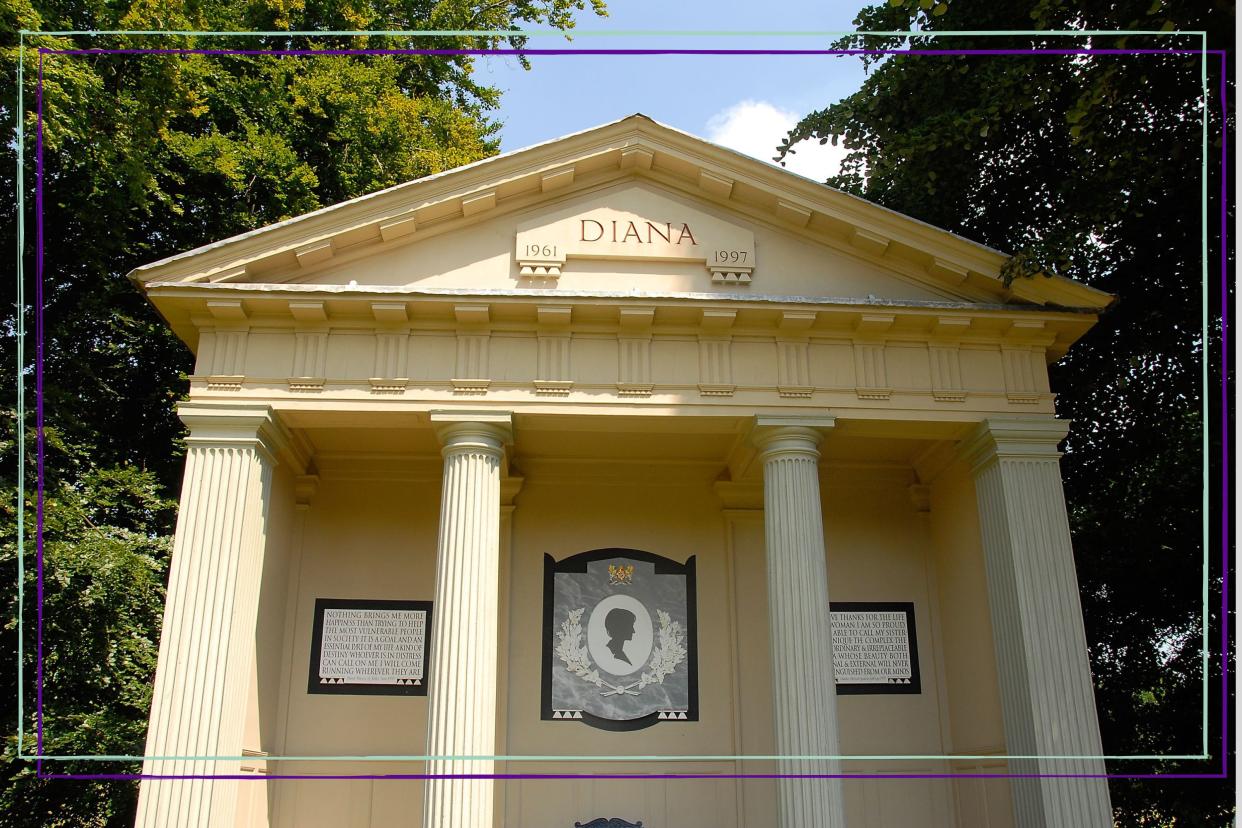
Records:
x=745, y=102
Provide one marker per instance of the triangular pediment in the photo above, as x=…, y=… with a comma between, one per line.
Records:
x=635, y=236
x=629, y=207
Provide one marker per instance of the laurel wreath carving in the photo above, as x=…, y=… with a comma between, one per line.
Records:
x=669, y=653
x=569, y=649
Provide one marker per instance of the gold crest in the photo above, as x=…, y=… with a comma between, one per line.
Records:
x=620, y=575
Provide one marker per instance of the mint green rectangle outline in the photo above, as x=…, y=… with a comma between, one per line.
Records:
x=21, y=330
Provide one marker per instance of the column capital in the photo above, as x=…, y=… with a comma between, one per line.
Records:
x=486, y=431
x=789, y=436
x=998, y=438
x=240, y=425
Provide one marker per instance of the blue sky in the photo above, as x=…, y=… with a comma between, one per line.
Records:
x=745, y=102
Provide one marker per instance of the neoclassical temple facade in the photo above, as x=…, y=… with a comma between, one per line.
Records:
x=626, y=455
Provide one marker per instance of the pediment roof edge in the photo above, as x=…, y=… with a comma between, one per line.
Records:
x=632, y=146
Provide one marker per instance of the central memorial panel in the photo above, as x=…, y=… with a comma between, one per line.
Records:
x=619, y=640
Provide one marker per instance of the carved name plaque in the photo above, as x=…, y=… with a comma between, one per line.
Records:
x=636, y=224
x=364, y=647
x=874, y=649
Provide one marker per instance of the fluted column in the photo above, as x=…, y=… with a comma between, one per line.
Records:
x=803, y=691
x=1047, y=699
x=465, y=620
x=207, y=645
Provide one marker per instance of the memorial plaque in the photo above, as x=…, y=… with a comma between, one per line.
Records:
x=362, y=647
x=635, y=224
x=874, y=648
x=620, y=648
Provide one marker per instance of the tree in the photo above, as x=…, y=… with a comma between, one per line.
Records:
x=146, y=156
x=1090, y=167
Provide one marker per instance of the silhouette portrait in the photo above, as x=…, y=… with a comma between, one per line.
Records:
x=620, y=626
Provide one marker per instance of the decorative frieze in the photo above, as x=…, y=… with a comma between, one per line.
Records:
x=871, y=371
x=718, y=349
x=555, y=346
x=471, y=375
x=716, y=367
x=1022, y=359
x=553, y=366
x=716, y=354
x=391, y=354
x=230, y=329
x=793, y=368
x=470, y=372
x=1019, y=371
x=945, y=360
x=946, y=373
x=793, y=365
x=870, y=368
x=310, y=353
x=634, y=368
x=228, y=360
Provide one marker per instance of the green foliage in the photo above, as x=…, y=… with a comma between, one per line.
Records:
x=1088, y=167
x=106, y=551
x=147, y=156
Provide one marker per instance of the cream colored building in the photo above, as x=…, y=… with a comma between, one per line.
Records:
x=625, y=338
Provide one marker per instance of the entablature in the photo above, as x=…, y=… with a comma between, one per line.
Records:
x=194, y=309
x=270, y=342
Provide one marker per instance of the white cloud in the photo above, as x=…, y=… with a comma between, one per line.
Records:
x=757, y=127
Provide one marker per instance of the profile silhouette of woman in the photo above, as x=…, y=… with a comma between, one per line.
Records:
x=620, y=626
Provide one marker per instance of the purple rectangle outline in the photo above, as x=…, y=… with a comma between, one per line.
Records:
x=736, y=52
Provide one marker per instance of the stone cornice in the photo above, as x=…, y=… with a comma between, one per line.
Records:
x=194, y=308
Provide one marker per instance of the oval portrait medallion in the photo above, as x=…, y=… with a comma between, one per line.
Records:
x=619, y=635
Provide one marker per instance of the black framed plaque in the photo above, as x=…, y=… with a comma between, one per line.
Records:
x=369, y=648
x=620, y=640
x=874, y=647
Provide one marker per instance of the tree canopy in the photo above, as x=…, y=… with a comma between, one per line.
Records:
x=145, y=156
x=1089, y=166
